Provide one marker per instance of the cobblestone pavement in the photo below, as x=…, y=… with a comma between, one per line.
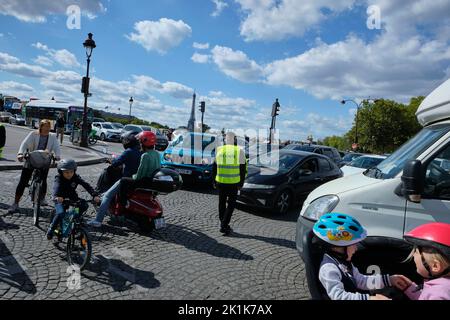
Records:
x=189, y=259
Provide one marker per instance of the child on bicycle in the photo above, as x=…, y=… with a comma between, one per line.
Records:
x=339, y=233
x=66, y=183
x=431, y=255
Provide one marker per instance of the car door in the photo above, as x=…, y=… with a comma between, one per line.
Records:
x=304, y=184
x=435, y=203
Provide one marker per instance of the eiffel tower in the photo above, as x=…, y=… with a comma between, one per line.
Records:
x=191, y=123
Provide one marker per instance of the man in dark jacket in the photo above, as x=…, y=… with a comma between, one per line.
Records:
x=130, y=159
x=66, y=183
x=60, y=125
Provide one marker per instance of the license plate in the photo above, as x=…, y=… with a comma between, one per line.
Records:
x=183, y=171
x=160, y=223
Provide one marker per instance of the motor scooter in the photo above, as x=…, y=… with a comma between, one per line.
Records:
x=144, y=207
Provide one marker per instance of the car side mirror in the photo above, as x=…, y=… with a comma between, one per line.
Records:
x=413, y=179
x=304, y=172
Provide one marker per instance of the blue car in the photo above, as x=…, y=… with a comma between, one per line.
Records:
x=191, y=156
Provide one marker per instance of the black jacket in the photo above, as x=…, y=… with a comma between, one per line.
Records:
x=67, y=188
x=60, y=123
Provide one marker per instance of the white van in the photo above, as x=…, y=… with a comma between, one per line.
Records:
x=385, y=202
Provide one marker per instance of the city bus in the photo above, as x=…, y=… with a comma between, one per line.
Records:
x=36, y=110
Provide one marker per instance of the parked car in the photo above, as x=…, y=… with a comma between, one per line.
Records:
x=349, y=157
x=193, y=162
x=17, y=119
x=105, y=131
x=330, y=152
x=295, y=175
x=360, y=164
x=4, y=116
x=406, y=190
x=117, y=125
x=161, y=143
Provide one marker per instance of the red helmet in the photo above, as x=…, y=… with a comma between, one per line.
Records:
x=435, y=235
x=147, y=138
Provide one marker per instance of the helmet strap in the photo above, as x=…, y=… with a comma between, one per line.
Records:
x=427, y=266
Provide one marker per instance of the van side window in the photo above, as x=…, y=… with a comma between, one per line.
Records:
x=437, y=177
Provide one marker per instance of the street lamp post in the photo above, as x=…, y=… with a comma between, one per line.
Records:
x=358, y=106
x=131, y=103
x=89, y=45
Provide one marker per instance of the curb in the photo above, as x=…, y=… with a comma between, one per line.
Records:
x=82, y=163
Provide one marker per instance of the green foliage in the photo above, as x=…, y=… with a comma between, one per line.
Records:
x=383, y=126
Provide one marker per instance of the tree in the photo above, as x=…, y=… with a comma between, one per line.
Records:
x=340, y=143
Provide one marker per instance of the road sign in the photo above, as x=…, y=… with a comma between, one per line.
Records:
x=354, y=146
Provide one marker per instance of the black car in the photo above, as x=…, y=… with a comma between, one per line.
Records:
x=298, y=173
x=161, y=140
x=330, y=152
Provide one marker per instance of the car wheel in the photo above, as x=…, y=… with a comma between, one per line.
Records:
x=283, y=202
x=102, y=137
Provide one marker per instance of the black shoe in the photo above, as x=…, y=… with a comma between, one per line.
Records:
x=49, y=234
x=226, y=231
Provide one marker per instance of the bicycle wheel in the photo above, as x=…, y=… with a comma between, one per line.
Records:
x=79, y=248
x=36, y=203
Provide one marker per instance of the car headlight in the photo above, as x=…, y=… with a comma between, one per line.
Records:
x=206, y=161
x=257, y=186
x=320, y=206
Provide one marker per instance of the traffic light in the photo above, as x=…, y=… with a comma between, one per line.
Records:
x=202, y=106
x=275, y=108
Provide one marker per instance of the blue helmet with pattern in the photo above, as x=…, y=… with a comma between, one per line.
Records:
x=339, y=229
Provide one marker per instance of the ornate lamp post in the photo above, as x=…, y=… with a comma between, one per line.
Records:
x=89, y=45
x=131, y=103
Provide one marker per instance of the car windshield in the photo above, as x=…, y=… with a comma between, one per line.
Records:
x=146, y=128
x=107, y=126
x=282, y=162
x=117, y=125
x=351, y=156
x=190, y=141
x=394, y=164
x=365, y=162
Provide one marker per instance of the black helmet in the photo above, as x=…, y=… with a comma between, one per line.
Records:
x=129, y=140
x=67, y=164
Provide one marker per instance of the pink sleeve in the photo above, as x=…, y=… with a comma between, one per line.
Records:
x=412, y=292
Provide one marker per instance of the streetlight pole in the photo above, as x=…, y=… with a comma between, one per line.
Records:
x=89, y=44
x=131, y=103
x=358, y=106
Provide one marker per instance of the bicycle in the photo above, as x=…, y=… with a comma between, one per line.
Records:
x=79, y=244
x=40, y=161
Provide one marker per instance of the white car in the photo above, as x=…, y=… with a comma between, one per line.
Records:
x=105, y=131
x=361, y=164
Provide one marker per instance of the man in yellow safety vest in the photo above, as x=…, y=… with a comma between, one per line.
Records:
x=229, y=173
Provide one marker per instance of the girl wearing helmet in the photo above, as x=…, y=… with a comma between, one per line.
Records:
x=431, y=255
x=150, y=163
x=339, y=234
x=66, y=183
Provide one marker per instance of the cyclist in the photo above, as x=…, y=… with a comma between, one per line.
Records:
x=66, y=183
x=36, y=140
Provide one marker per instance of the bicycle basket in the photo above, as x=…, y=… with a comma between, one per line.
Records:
x=40, y=159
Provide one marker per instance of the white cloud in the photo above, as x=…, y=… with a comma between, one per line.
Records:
x=220, y=6
x=37, y=10
x=200, y=58
x=200, y=46
x=177, y=90
x=6, y=58
x=63, y=56
x=1, y=35
x=280, y=19
x=236, y=64
x=160, y=35
x=8, y=86
x=44, y=61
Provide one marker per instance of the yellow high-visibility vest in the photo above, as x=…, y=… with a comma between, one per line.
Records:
x=227, y=159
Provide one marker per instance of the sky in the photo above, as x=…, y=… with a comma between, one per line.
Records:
x=237, y=55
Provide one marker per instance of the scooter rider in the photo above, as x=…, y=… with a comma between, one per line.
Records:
x=130, y=158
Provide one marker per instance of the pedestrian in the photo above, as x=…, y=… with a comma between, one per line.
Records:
x=431, y=255
x=41, y=139
x=2, y=138
x=229, y=171
x=60, y=125
x=338, y=234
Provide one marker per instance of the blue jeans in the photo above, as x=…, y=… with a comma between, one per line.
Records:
x=60, y=211
x=108, y=196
